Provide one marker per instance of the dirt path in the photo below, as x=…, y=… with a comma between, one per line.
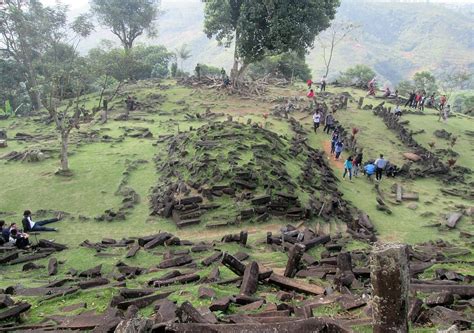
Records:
x=327, y=149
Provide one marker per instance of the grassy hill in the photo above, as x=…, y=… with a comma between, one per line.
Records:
x=107, y=157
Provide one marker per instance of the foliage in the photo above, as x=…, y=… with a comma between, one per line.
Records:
x=425, y=81
x=405, y=87
x=142, y=62
x=287, y=65
x=259, y=28
x=182, y=53
x=453, y=80
x=127, y=19
x=210, y=70
x=358, y=75
x=174, y=69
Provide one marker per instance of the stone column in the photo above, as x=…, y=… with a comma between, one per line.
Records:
x=390, y=282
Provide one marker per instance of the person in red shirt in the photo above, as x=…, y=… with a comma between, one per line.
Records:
x=417, y=100
x=442, y=102
x=309, y=83
x=311, y=98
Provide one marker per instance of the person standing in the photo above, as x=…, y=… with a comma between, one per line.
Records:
x=329, y=123
x=358, y=162
x=334, y=140
x=223, y=74
x=40, y=225
x=198, y=71
x=339, y=148
x=380, y=165
x=410, y=99
x=446, y=111
x=316, y=120
x=309, y=83
x=442, y=102
x=348, y=168
x=323, y=83
x=311, y=98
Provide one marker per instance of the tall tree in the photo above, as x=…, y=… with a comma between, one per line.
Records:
x=24, y=28
x=183, y=53
x=127, y=19
x=262, y=27
x=455, y=79
x=425, y=81
x=64, y=79
x=333, y=36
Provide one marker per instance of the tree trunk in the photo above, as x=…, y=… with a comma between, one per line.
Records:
x=330, y=58
x=64, y=149
x=103, y=90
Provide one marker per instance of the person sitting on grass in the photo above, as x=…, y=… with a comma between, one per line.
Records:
x=348, y=168
x=39, y=226
x=369, y=170
x=19, y=239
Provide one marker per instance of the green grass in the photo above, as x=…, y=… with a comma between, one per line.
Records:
x=99, y=169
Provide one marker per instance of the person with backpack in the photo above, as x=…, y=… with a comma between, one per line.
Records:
x=348, y=168
x=316, y=120
x=380, y=164
x=30, y=225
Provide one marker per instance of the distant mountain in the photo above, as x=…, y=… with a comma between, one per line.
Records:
x=396, y=39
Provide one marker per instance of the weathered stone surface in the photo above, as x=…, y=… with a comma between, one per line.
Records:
x=92, y=272
x=443, y=298
x=182, y=279
x=5, y=301
x=52, y=266
x=294, y=258
x=221, y=304
x=212, y=258
x=14, y=312
x=206, y=293
x=135, y=293
x=312, y=325
x=390, y=282
x=133, y=251
x=174, y=262
x=190, y=314
x=142, y=302
x=296, y=285
x=233, y=264
x=250, y=279
x=97, y=282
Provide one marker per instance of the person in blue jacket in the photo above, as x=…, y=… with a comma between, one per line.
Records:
x=369, y=170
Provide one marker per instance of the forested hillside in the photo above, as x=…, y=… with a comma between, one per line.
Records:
x=395, y=39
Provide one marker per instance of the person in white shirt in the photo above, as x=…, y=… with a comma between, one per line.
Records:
x=316, y=120
x=30, y=225
x=380, y=164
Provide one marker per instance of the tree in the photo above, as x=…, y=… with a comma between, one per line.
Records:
x=452, y=80
x=258, y=28
x=287, y=65
x=425, y=81
x=358, y=75
x=65, y=78
x=127, y=19
x=23, y=31
x=329, y=39
x=183, y=53
x=405, y=87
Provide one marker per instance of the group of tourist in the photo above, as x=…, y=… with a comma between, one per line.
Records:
x=353, y=164
x=13, y=236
